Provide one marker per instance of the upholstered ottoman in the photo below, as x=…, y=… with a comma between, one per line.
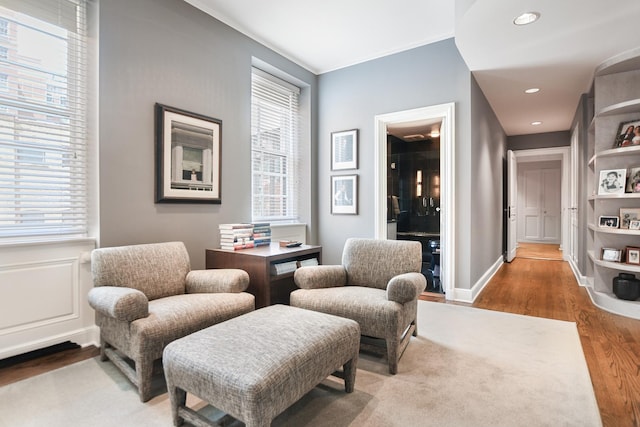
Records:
x=256, y=365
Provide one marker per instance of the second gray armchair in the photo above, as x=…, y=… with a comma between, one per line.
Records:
x=377, y=285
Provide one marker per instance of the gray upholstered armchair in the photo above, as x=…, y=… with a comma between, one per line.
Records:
x=377, y=285
x=146, y=296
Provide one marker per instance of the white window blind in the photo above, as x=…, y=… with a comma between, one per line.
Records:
x=42, y=118
x=274, y=148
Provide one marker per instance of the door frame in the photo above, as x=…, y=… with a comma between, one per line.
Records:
x=446, y=112
x=564, y=155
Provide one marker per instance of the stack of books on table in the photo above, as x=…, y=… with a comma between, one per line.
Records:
x=236, y=236
x=261, y=233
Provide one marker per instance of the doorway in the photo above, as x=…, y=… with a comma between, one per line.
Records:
x=413, y=191
x=443, y=114
x=523, y=159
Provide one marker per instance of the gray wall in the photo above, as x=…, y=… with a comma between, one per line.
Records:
x=169, y=52
x=351, y=97
x=487, y=151
x=539, y=140
x=428, y=75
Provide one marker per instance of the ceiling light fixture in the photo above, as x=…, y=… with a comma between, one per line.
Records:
x=532, y=90
x=526, y=18
x=414, y=136
x=434, y=134
x=536, y=123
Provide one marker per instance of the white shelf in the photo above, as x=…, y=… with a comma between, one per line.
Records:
x=630, y=106
x=626, y=61
x=620, y=266
x=609, y=302
x=617, y=196
x=613, y=152
x=623, y=231
x=612, y=89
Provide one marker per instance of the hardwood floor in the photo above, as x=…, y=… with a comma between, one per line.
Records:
x=611, y=343
x=532, y=287
x=539, y=251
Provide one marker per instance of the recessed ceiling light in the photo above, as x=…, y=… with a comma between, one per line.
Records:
x=526, y=18
x=536, y=123
x=532, y=90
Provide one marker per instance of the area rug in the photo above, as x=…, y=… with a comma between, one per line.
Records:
x=467, y=367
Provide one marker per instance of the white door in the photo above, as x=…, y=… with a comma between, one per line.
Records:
x=512, y=196
x=540, y=204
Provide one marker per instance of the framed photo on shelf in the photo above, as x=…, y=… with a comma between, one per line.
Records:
x=187, y=156
x=612, y=181
x=344, y=150
x=344, y=194
x=633, y=180
x=611, y=254
x=627, y=215
x=634, y=225
x=609, y=221
x=632, y=255
x=628, y=134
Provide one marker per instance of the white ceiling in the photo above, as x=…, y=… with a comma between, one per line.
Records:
x=558, y=54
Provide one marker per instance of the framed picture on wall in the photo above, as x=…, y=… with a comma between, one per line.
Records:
x=627, y=215
x=611, y=254
x=187, y=156
x=633, y=180
x=609, y=221
x=612, y=181
x=628, y=134
x=632, y=255
x=344, y=150
x=344, y=194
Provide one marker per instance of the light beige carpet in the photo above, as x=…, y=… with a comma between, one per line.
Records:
x=467, y=367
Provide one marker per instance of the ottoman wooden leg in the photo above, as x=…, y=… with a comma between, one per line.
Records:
x=177, y=398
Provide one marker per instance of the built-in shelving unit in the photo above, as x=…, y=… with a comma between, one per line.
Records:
x=616, y=100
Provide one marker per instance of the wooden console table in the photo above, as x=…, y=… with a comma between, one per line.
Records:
x=265, y=285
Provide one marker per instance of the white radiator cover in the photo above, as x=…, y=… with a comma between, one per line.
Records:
x=43, y=296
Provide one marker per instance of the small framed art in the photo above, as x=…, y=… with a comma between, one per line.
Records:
x=628, y=134
x=611, y=254
x=612, y=181
x=609, y=221
x=344, y=150
x=633, y=180
x=344, y=194
x=627, y=215
x=632, y=255
x=634, y=225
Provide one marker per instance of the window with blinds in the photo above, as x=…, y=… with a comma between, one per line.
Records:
x=274, y=148
x=43, y=63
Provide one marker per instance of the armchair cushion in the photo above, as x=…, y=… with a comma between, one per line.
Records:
x=217, y=280
x=123, y=304
x=320, y=276
x=405, y=287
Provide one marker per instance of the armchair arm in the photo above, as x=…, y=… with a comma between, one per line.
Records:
x=406, y=287
x=217, y=280
x=120, y=303
x=320, y=276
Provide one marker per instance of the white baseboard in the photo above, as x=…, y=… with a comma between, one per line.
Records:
x=469, y=295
